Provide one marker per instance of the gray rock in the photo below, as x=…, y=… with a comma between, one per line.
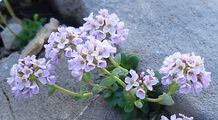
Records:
x=159, y=28
x=35, y=45
x=56, y=107
x=69, y=11
x=7, y=36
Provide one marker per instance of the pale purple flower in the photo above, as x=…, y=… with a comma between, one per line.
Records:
x=104, y=13
x=149, y=80
x=109, y=26
x=26, y=71
x=40, y=62
x=77, y=74
x=185, y=88
x=167, y=80
x=187, y=70
x=89, y=66
x=22, y=82
x=91, y=23
x=90, y=55
x=181, y=80
x=77, y=63
x=106, y=26
x=115, y=38
x=100, y=20
x=173, y=117
x=72, y=31
x=197, y=87
x=25, y=76
x=192, y=75
x=180, y=66
x=42, y=75
x=131, y=81
x=69, y=52
x=140, y=93
x=205, y=79
x=51, y=80
x=77, y=40
x=102, y=64
x=61, y=40
x=100, y=35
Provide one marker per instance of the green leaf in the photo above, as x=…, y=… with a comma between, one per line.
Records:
x=145, y=108
x=115, y=87
x=138, y=104
x=129, y=61
x=158, y=75
x=106, y=94
x=129, y=107
x=51, y=90
x=117, y=58
x=108, y=81
x=165, y=99
x=96, y=90
x=30, y=28
x=119, y=72
x=86, y=77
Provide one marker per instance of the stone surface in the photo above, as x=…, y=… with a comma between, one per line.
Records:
x=69, y=11
x=159, y=28
x=56, y=107
x=36, y=45
x=8, y=37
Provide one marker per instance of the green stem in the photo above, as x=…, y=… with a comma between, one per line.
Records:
x=153, y=100
x=2, y=18
x=173, y=88
x=11, y=12
x=117, y=65
x=63, y=90
x=118, y=80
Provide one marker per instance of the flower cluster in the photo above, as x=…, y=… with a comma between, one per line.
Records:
x=89, y=55
x=187, y=70
x=64, y=39
x=173, y=117
x=102, y=27
x=25, y=76
x=106, y=26
x=142, y=82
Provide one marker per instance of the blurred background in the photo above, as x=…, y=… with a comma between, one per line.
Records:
x=21, y=19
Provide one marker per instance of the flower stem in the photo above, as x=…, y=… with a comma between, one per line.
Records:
x=173, y=88
x=117, y=65
x=118, y=80
x=63, y=90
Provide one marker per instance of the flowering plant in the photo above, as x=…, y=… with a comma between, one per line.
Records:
x=93, y=46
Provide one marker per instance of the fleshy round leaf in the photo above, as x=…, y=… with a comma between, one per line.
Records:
x=129, y=107
x=117, y=58
x=51, y=90
x=129, y=61
x=138, y=104
x=108, y=81
x=119, y=72
x=165, y=99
